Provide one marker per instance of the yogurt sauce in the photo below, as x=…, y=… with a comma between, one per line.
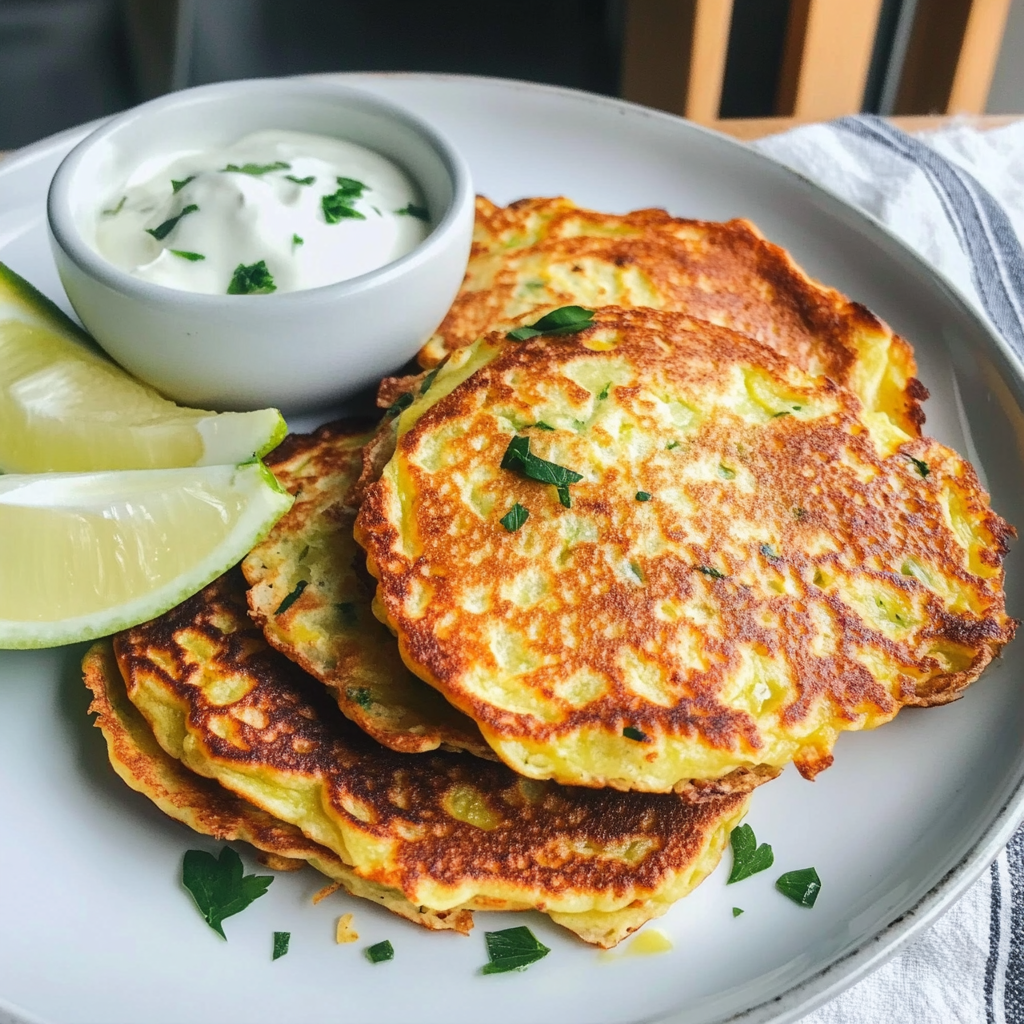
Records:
x=314, y=210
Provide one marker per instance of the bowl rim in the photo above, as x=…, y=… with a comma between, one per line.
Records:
x=65, y=233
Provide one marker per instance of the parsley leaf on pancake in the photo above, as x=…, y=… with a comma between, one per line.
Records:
x=567, y=320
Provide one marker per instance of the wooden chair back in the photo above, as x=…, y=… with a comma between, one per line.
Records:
x=675, y=54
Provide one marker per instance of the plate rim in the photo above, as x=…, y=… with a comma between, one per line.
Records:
x=851, y=967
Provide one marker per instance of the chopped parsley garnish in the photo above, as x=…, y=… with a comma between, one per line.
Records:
x=671, y=445
x=776, y=415
x=519, y=459
x=380, y=951
x=255, y=279
x=400, y=403
x=338, y=205
x=800, y=886
x=412, y=210
x=922, y=467
x=429, y=379
x=177, y=186
x=292, y=597
x=281, y=940
x=359, y=695
x=567, y=320
x=218, y=886
x=161, y=231
x=604, y=392
x=726, y=473
x=768, y=551
x=632, y=733
x=192, y=257
x=256, y=169
x=347, y=611
x=298, y=240
x=711, y=571
x=736, y=911
x=515, y=517
x=300, y=181
x=643, y=496
x=747, y=857
x=799, y=513
x=539, y=425
x=116, y=209
x=512, y=949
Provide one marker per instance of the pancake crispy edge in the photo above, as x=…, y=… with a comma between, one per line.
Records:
x=447, y=831
x=327, y=627
x=209, y=809
x=538, y=254
x=796, y=571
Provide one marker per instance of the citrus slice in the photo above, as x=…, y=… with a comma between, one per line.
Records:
x=85, y=554
x=64, y=406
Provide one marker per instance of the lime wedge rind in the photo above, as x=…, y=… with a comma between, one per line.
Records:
x=67, y=407
x=104, y=497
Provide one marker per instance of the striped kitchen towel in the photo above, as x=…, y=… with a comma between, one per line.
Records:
x=957, y=197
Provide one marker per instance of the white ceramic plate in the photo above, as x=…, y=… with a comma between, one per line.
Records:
x=94, y=926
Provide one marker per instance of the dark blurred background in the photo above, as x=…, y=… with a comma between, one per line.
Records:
x=63, y=62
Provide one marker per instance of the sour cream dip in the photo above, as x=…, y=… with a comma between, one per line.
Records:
x=276, y=211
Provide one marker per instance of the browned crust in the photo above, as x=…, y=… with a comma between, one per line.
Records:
x=537, y=831
x=877, y=523
x=725, y=272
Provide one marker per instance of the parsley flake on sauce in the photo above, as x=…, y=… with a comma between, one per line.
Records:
x=192, y=257
x=116, y=209
x=800, y=886
x=292, y=597
x=412, y=210
x=747, y=857
x=736, y=911
x=633, y=733
x=177, y=186
x=338, y=205
x=218, y=885
x=256, y=169
x=567, y=320
x=514, y=518
x=512, y=949
x=281, y=940
x=300, y=181
x=161, y=231
x=520, y=459
x=298, y=240
x=380, y=951
x=255, y=279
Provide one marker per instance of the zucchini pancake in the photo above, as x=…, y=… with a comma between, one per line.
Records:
x=427, y=835
x=310, y=594
x=539, y=254
x=654, y=551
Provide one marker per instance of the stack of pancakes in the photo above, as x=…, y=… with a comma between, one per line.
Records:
x=617, y=578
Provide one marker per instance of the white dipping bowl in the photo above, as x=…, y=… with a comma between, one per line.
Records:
x=296, y=350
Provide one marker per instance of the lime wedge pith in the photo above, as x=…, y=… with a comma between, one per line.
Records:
x=66, y=407
x=86, y=554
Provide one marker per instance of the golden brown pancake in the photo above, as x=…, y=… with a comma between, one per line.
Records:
x=539, y=254
x=746, y=567
x=446, y=831
x=210, y=809
x=327, y=626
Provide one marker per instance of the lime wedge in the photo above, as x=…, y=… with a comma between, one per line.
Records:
x=85, y=554
x=64, y=406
